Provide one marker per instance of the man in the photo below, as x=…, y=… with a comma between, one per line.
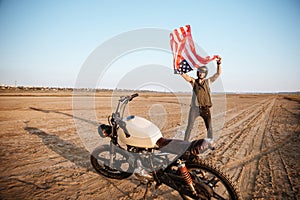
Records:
x=201, y=100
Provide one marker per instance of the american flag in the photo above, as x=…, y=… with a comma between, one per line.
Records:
x=185, y=57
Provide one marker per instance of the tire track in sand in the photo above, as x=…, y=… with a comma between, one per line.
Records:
x=247, y=139
x=280, y=183
x=229, y=144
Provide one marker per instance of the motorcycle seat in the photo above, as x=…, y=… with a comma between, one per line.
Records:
x=181, y=147
x=173, y=146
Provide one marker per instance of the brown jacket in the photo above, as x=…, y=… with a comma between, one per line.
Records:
x=202, y=91
x=201, y=94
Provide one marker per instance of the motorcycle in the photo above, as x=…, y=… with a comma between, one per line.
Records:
x=138, y=147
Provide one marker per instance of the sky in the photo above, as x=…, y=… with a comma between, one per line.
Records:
x=47, y=43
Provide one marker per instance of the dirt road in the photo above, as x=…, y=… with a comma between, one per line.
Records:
x=43, y=157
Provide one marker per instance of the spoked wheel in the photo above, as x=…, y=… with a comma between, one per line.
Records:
x=210, y=182
x=111, y=162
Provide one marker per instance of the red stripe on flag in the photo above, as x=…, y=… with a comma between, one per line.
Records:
x=183, y=47
x=177, y=35
x=183, y=32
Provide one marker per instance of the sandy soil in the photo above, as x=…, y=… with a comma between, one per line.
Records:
x=43, y=157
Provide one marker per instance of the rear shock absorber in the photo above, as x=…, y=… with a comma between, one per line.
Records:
x=186, y=175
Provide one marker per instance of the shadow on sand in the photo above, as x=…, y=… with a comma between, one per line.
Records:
x=68, y=150
x=66, y=114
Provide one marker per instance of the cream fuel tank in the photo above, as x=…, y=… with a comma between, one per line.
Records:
x=143, y=133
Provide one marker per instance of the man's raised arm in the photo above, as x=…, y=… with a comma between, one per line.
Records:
x=217, y=74
x=188, y=78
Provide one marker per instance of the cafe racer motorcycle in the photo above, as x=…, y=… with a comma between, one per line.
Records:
x=138, y=148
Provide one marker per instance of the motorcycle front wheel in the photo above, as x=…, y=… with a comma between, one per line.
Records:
x=210, y=182
x=111, y=162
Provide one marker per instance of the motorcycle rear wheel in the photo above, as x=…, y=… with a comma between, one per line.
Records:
x=119, y=169
x=210, y=182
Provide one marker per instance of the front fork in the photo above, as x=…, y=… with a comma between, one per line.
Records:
x=113, y=144
x=112, y=154
x=129, y=156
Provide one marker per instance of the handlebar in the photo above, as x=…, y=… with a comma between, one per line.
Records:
x=117, y=116
x=128, y=98
x=133, y=96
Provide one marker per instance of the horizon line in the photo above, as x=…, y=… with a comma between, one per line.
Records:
x=3, y=87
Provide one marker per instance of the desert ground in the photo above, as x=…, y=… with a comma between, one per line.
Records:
x=43, y=155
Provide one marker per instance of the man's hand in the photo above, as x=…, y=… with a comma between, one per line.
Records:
x=219, y=59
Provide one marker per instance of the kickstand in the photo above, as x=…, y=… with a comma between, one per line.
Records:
x=147, y=190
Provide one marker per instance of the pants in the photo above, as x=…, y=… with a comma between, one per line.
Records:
x=195, y=112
